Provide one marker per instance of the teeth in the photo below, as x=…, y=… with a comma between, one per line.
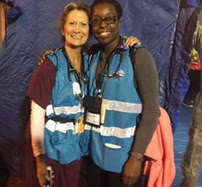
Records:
x=104, y=33
x=76, y=37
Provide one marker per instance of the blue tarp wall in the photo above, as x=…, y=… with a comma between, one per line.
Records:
x=165, y=27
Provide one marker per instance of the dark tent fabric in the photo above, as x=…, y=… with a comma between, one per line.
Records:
x=176, y=81
x=152, y=21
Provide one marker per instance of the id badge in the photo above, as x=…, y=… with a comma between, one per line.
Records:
x=92, y=107
x=79, y=125
x=103, y=112
x=92, y=118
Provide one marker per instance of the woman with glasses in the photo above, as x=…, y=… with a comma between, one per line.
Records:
x=123, y=103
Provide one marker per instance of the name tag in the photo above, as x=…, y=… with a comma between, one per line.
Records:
x=79, y=125
x=93, y=118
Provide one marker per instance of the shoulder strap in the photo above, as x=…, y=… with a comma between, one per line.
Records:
x=132, y=52
x=132, y=58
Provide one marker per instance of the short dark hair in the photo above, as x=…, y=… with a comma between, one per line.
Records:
x=115, y=3
x=74, y=6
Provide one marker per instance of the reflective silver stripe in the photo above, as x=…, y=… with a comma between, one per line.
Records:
x=115, y=131
x=87, y=127
x=57, y=126
x=122, y=106
x=62, y=127
x=64, y=110
x=96, y=129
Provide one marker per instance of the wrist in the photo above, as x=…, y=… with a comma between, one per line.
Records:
x=138, y=156
x=40, y=158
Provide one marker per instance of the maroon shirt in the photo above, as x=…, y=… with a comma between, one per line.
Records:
x=41, y=84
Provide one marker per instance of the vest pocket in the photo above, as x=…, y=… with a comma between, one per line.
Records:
x=115, y=157
x=63, y=147
x=110, y=153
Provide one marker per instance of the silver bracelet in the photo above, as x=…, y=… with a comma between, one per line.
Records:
x=137, y=157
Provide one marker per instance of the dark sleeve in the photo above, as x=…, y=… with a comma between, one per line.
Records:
x=148, y=89
x=41, y=84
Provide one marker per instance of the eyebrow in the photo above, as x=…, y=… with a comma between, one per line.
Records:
x=110, y=14
x=77, y=21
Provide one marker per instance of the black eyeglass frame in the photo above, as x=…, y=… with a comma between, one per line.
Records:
x=112, y=21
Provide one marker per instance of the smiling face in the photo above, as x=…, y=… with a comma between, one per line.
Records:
x=106, y=33
x=76, y=29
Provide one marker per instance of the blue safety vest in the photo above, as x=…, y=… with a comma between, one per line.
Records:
x=121, y=106
x=61, y=141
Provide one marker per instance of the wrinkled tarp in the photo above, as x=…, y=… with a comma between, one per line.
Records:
x=152, y=21
x=176, y=80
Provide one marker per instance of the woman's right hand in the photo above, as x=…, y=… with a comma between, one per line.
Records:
x=43, y=55
x=41, y=169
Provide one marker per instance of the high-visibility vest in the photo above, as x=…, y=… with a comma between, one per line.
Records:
x=120, y=109
x=61, y=141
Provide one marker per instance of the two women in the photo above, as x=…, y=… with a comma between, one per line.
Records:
x=58, y=135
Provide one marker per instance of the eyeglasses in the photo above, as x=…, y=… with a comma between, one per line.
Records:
x=108, y=20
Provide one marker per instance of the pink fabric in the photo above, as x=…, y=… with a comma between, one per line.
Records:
x=161, y=171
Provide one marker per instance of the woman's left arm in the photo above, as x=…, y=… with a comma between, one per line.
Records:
x=146, y=77
x=148, y=89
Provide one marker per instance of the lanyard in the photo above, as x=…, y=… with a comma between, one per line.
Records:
x=77, y=75
x=99, y=81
